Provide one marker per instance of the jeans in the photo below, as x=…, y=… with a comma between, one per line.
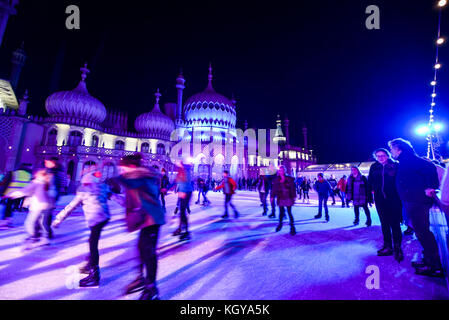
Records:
x=228, y=198
x=34, y=223
x=306, y=194
x=418, y=214
x=94, y=237
x=147, y=250
x=202, y=192
x=282, y=215
x=344, y=202
x=10, y=203
x=322, y=200
x=357, y=212
x=390, y=216
x=46, y=222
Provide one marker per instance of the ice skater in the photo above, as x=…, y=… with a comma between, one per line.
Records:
x=324, y=190
x=93, y=196
x=284, y=190
x=228, y=185
x=40, y=200
x=185, y=189
x=358, y=191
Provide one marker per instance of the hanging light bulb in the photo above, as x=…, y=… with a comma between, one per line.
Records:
x=438, y=66
x=440, y=41
x=432, y=104
x=442, y=3
x=433, y=83
x=434, y=95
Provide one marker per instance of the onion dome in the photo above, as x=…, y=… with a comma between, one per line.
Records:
x=155, y=124
x=209, y=108
x=77, y=103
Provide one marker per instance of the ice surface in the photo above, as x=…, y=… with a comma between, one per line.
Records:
x=234, y=259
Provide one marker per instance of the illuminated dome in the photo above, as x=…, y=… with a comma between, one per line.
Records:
x=77, y=103
x=209, y=108
x=155, y=124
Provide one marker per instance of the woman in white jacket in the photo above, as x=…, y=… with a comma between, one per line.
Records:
x=93, y=196
x=39, y=200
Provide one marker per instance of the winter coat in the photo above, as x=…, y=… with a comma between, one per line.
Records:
x=358, y=190
x=263, y=185
x=382, y=181
x=285, y=191
x=165, y=184
x=342, y=185
x=142, y=189
x=59, y=181
x=228, y=185
x=93, y=198
x=414, y=176
x=39, y=198
x=305, y=186
x=184, y=180
x=323, y=189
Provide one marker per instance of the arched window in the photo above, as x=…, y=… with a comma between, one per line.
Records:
x=88, y=166
x=145, y=147
x=52, y=135
x=119, y=145
x=75, y=138
x=109, y=170
x=95, y=141
x=160, y=148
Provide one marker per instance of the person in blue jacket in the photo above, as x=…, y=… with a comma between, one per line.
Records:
x=324, y=190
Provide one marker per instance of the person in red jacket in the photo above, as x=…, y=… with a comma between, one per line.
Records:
x=228, y=185
x=341, y=186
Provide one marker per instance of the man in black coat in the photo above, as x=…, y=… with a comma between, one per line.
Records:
x=382, y=181
x=414, y=177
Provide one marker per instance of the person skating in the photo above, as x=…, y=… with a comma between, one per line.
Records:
x=382, y=180
x=284, y=190
x=40, y=200
x=13, y=181
x=358, y=191
x=185, y=189
x=324, y=190
x=263, y=188
x=305, y=187
x=298, y=183
x=93, y=196
x=228, y=185
x=415, y=177
x=56, y=188
x=143, y=212
x=341, y=186
x=165, y=185
x=333, y=183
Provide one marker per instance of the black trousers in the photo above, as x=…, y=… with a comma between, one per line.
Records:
x=163, y=200
x=306, y=194
x=228, y=198
x=46, y=222
x=263, y=199
x=147, y=250
x=390, y=216
x=184, y=203
x=418, y=214
x=94, y=237
x=9, y=206
x=282, y=215
x=357, y=212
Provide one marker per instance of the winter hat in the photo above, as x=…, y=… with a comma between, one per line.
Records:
x=90, y=178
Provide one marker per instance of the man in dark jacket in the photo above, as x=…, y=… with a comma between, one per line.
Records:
x=382, y=181
x=165, y=185
x=414, y=177
x=56, y=189
x=324, y=190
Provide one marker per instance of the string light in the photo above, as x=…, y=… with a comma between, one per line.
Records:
x=433, y=129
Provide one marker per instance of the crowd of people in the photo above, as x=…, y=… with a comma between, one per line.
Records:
x=401, y=184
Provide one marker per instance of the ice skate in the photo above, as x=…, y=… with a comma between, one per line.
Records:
x=185, y=236
x=92, y=280
x=150, y=293
x=137, y=285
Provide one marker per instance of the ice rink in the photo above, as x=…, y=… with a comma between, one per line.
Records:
x=225, y=260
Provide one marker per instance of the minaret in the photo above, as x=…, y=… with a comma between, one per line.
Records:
x=287, y=132
x=210, y=77
x=279, y=135
x=23, y=104
x=180, y=81
x=304, y=132
x=18, y=61
x=156, y=105
x=6, y=9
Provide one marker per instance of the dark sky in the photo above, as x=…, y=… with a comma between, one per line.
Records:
x=313, y=61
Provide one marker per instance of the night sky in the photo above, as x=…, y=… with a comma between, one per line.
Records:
x=312, y=61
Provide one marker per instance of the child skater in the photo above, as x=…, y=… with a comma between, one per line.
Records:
x=40, y=200
x=93, y=195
